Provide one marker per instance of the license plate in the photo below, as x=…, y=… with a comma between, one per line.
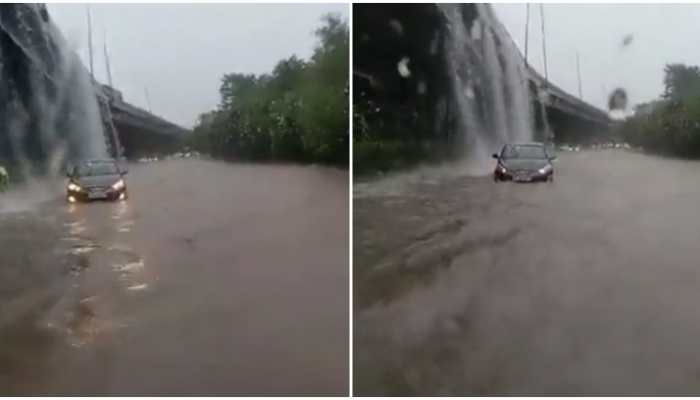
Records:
x=97, y=195
x=522, y=179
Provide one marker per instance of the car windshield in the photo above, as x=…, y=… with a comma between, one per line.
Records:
x=97, y=169
x=535, y=152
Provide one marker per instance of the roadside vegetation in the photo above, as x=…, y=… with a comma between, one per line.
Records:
x=4, y=179
x=298, y=112
x=402, y=111
x=384, y=139
x=669, y=125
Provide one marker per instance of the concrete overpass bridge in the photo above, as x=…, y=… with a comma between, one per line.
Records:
x=138, y=131
x=570, y=119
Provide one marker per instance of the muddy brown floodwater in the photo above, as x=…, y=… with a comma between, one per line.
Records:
x=589, y=285
x=212, y=278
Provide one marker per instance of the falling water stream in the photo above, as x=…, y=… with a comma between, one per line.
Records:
x=49, y=111
x=489, y=83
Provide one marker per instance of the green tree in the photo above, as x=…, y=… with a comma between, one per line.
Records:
x=235, y=88
x=670, y=125
x=324, y=116
x=681, y=82
x=297, y=112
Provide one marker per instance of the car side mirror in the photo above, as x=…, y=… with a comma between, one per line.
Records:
x=494, y=155
x=552, y=158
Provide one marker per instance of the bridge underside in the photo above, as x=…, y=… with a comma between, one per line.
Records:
x=568, y=128
x=140, y=133
x=570, y=120
x=138, y=141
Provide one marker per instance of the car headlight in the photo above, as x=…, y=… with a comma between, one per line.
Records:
x=545, y=169
x=74, y=188
x=119, y=185
x=502, y=169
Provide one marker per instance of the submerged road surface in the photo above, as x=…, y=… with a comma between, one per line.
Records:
x=589, y=285
x=212, y=278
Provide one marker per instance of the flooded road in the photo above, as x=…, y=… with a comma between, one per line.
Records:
x=212, y=278
x=589, y=285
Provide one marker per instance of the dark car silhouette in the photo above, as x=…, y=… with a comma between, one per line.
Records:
x=96, y=180
x=528, y=162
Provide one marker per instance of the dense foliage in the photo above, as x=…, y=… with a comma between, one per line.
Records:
x=401, y=107
x=298, y=112
x=670, y=125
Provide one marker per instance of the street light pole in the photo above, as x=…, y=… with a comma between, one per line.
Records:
x=544, y=44
x=578, y=73
x=148, y=99
x=527, y=28
x=89, y=23
x=107, y=66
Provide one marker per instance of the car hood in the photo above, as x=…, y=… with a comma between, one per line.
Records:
x=97, y=181
x=524, y=164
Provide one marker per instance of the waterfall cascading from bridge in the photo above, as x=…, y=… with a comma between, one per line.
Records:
x=489, y=82
x=48, y=107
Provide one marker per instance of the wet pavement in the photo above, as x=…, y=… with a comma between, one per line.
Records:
x=589, y=285
x=212, y=278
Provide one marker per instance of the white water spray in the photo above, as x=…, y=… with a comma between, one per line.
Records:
x=60, y=105
x=57, y=105
x=74, y=84
x=489, y=83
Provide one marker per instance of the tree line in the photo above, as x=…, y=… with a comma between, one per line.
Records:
x=671, y=124
x=298, y=112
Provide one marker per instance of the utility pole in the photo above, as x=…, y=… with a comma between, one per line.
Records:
x=578, y=73
x=527, y=28
x=89, y=23
x=107, y=66
x=544, y=44
x=148, y=99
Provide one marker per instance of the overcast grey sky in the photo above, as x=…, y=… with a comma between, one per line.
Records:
x=181, y=51
x=663, y=33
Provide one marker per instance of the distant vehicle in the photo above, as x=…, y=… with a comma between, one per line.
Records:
x=527, y=162
x=96, y=180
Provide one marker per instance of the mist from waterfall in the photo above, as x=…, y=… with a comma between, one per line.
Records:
x=489, y=82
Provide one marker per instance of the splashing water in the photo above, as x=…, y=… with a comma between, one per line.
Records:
x=28, y=195
x=489, y=81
